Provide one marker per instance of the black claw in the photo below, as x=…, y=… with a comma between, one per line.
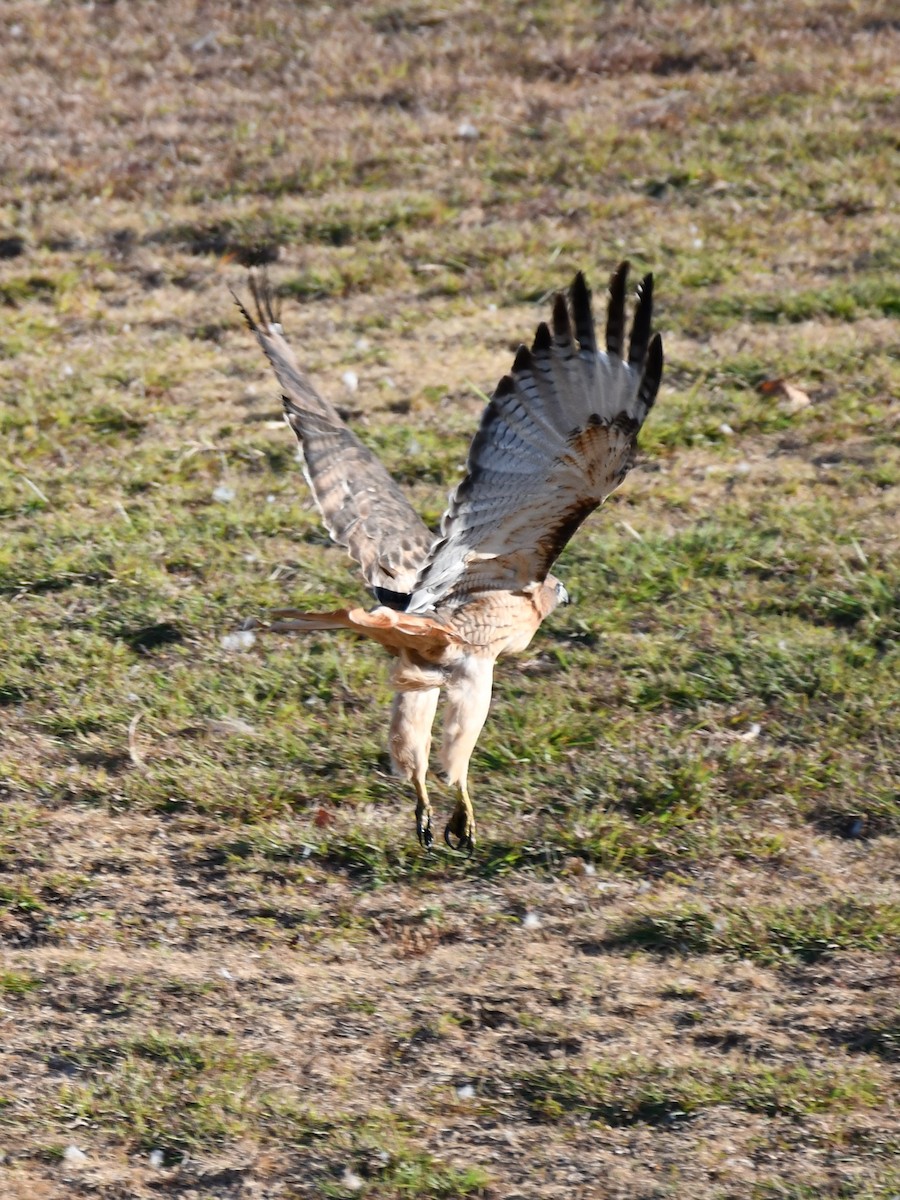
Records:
x=426, y=838
x=464, y=845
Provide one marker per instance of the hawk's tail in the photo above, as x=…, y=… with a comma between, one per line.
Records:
x=395, y=630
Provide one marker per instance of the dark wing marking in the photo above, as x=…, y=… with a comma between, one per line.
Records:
x=362, y=506
x=557, y=437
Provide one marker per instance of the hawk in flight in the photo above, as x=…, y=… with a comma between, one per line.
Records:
x=558, y=435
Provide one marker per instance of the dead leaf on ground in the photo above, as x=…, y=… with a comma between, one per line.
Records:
x=793, y=399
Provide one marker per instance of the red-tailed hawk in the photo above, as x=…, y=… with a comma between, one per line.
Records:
x=558, y=435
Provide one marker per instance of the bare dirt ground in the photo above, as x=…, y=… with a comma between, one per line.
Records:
x=671, y=968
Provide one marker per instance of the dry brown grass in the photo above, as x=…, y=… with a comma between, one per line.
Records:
x=672, y=969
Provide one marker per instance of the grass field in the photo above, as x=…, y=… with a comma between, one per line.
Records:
x=672, y=968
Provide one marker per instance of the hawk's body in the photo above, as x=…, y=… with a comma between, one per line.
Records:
x=557, y=437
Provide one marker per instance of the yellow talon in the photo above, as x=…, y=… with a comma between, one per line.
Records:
x=423, y=815
x=462, y=823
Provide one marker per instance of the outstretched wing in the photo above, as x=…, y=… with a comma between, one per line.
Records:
x=557, y=437
x=361, y=505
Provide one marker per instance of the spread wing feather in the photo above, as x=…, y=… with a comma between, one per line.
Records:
x=557, y=437
x=361, y=505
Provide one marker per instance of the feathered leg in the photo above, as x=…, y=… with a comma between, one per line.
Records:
x=468, y=701
x=412, y=716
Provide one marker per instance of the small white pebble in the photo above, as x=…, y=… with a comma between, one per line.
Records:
x=270, y=499
x=742, y=468
x=73, y=1157
x=362, y=343
x=726, y=429
x=126, y=328
x=697, y=243
x=242, y=640
x=590, y=869
x=351, y=1181
x=156, y=1158
x=492, y=308
x=467, y=131
x=225, y=973
x=350, y=380
x=67, y=372
x=15, y=31
x=466, y=1092
x=223, y=494
x=531, y=921
x=209, y=43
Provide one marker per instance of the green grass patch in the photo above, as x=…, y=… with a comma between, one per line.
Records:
x=648, y=1093
x=884, y=1187
x=718, y=701
x=18, y=983
x=847, y=301
x=161, y=1091
x=767, y=935
x=19, y=897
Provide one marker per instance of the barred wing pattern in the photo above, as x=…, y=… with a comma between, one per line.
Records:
x=558, y=436
x=362, y=507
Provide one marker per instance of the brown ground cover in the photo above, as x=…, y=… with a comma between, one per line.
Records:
x=671, y=969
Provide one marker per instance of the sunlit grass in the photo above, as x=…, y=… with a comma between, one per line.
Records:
x=671, y=952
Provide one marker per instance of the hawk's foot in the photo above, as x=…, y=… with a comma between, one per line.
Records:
x=423, y=831
x=461, y=825
x=423, y=819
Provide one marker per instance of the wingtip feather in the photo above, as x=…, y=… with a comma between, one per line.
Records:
x=562, y=328
x=251, y=324
x=640, y=328
x=652, y=374
x=615, y=313
x=523, y=361
x=542, y=339
x=583, y=314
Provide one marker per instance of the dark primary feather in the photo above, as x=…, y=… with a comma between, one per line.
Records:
x=562, y=330
x=615, y=313
x=362, y=506
x=584, y=318
x=557, y=437
x=640, y=329
x=652, y=376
